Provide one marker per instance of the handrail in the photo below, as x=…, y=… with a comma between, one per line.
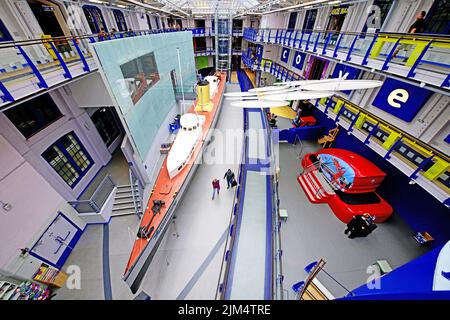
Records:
x=427, y=36
x=225, y=266
x=94, y=203
x=133, y=196
x=13, y=43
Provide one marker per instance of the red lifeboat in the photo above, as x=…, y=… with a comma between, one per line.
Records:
x=346, y=181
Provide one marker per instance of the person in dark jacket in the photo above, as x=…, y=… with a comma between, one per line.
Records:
x=360, y=226
x=417, y=27
x=229, y=175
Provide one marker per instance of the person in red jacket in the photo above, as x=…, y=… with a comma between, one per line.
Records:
x=216, y=186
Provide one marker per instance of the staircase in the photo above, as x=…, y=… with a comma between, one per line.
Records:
x=127, y=201
x=317, y=188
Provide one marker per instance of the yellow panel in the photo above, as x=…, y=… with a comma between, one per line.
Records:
x=338, y=106
x=439, y=167
x=416, y=147
x=284, y=112
x=361, y=119
x=391, y=139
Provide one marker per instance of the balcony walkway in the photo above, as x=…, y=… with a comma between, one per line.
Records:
x=421, y=58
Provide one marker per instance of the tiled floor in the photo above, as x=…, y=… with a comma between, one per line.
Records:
x=188, y=262
x=312, y=232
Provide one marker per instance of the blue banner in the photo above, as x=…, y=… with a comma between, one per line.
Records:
x=353, y=73
x=401, y=99
x=285, y=55
x=299, y=59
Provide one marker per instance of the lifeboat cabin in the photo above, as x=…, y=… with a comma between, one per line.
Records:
x=346, y=181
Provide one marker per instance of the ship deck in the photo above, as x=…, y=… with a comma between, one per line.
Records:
x=165, y=188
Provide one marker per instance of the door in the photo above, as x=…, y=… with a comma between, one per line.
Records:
x=56, y=243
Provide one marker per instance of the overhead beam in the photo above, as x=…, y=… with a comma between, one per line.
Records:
x=147, y=6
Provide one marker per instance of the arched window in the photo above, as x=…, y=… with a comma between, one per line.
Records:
x=148, y=22
x=120, y=20
x=95, y=18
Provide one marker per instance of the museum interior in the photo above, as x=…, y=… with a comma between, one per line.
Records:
x=224, y=150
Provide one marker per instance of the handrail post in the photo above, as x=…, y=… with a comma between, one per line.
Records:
x=80, y=53
x=37, y=73
x=6, y=97
x=61, y=61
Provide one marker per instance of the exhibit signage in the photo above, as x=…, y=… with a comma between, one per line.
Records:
x=402, y=100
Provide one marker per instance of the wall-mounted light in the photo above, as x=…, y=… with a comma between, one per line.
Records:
x=6, y=206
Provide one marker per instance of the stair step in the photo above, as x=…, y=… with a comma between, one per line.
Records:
x=306, y=189
x=316, y=292
x=314, y=190
x=125, y=196
x=126, y=191
x=118, y=203
x=313, y=184
x=125, y=207
x=125, y=186
x=124, y=213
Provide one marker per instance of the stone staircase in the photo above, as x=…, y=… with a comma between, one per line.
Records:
x=123, y=201
x=315, y=185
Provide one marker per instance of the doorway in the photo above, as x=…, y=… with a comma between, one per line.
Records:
x=235, y=62
x=310, y=19
x=120, y=20
x=51, y=21
x=95, y=18
x=317, y=68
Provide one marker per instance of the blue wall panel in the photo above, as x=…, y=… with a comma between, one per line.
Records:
x=401, y=99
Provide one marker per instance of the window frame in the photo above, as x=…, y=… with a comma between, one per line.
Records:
x=36, y=116
x=59, y=144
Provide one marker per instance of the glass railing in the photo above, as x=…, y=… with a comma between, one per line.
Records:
x=98, y=199
x=30, y=66
x=205, y=52
x=421, y=57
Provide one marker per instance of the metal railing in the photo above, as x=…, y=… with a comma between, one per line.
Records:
x=31, y=66
x=426, y=176
x=98, y=199
x=136, y=196
x=229, y=243
x=421, y=57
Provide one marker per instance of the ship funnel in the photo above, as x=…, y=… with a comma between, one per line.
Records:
x=203, y=99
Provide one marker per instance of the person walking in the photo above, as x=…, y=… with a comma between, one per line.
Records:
x=216, y=187
x=229, y=175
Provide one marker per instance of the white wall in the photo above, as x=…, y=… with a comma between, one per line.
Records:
x=90, y=92
x=34, y=205
x=74, y=119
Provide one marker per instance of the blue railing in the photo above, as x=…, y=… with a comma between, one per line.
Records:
x=420, y=57
x=30, y=66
